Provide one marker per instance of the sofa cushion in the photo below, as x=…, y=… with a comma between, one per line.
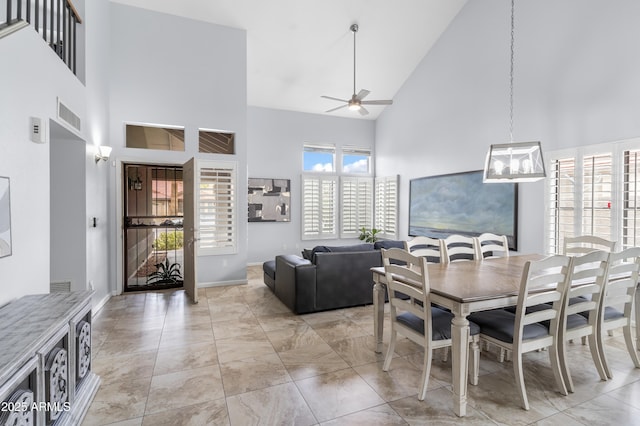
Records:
x=339, y=249
x=269, y=268
x=387, y=244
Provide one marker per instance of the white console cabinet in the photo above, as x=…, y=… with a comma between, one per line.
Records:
x=45, y=360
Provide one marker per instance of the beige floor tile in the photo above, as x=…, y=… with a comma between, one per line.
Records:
x=175, y=390
x=285, y=339
x=277, y=405
x=113, y=346
x=277, y=322
x=312, y=360
x=224, y=291
x=173, y=359
x=604, y=411
x=339, y=330
x=124, y=367
x=234, y=328
x=380, y=415
x=245, y=346
x=357, y=350
x=211, y=413
x=338, y=393
x=250, y=374
x=317, y=318
x=118, y=401
x=437, y=409
x=188, y=335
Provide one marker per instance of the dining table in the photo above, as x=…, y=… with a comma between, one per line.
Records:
x=463, y=287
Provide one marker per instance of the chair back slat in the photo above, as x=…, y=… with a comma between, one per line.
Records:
x=422, y=246
x=624, y=272
x=587, y=279
x=490, y=245
x=585, y=244
x=459, y=247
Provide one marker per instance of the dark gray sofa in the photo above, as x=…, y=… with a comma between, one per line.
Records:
x=333, y=277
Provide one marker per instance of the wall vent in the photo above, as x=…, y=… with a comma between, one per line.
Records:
x=60, y=287
x=69, y=117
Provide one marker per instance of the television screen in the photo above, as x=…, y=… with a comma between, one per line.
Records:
x=461, y=203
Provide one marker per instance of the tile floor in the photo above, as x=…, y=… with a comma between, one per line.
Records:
x=240, y=357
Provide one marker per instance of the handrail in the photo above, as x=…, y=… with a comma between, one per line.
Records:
x=55, y=20
x=75, y=11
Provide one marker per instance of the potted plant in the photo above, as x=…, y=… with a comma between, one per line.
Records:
x=368, y=235
x=165, y=273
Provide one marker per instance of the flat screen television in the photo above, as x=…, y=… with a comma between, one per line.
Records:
x=460, y=203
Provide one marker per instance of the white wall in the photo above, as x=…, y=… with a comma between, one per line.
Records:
x=575, y=83
x=32, y=79
x=276, y=139
x=175, y=71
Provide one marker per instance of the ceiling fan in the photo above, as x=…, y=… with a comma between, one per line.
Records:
x=356, y=103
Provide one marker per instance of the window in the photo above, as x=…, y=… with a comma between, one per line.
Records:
x=356, y=161
x=631, y=197
x=386, y=206
x=319, y=203
x=319, y=158
x=356, y=199
x=216, y=207
x=216, y=142
x=593, y=191
x=155, y=137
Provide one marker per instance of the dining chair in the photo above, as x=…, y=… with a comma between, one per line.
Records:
x=586, y=243
x=620, y=290
x=430, y=248
x=490, y=245
x=581, y=307
x=521, y=332
x=415, y=317
x=459, y=247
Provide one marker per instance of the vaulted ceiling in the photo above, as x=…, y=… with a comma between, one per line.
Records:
x=298, y=50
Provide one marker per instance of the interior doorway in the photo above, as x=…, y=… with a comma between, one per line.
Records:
x=153, y=226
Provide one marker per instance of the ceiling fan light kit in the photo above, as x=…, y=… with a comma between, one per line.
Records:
x=514, y=161
x=356, y=103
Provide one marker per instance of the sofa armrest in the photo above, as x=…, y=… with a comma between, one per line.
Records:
x=296, y=283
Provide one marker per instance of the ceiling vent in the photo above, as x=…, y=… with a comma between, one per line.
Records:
x=69, y=117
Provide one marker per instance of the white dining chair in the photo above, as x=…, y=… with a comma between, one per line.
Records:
x=586, y=243
x=581, y=308
x=521, y=332
x=415, y=317
x=620, y=290
x=490, y=245
x=459, y=247
x=430, y=248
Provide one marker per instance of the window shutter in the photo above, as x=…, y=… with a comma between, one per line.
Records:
x=216, y=207
x=596, y=195
x=562, y=203
x=386, y=206
x=357, y=205
x=319, y=200
x=631, y=196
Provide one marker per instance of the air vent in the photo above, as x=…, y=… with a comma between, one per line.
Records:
x=60, y=287
x=69, y=117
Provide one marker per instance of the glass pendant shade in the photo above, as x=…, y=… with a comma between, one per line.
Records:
x=514, y=162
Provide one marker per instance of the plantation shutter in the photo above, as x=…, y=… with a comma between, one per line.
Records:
x=386, y=206
x=631, y=197
x=216, y=207
x=356, y=195
x=596, y=195
x=319, y=207
x=562, y=203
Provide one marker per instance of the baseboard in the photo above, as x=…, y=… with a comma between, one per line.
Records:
x=96, y=308
x=255, y=263
x=223, y=283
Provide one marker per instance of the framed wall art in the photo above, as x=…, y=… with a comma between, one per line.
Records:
x=5, y=217
x=269, y=200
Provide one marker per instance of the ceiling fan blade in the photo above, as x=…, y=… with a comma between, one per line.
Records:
x=337, y=108
x=379, y=102
x=363, y=110
x=334, y=99
x=361, y=94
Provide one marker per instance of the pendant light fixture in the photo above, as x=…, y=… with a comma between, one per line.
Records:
x=514, y=161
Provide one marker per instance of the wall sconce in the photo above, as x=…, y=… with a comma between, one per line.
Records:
x=103, y=153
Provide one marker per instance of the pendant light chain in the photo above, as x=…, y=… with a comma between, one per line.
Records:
x=354, y=29
x=511, y=74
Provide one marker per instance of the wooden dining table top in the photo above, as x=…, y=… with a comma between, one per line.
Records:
x=477, y=280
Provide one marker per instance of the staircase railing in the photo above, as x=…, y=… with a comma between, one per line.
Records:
x=55, y=20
